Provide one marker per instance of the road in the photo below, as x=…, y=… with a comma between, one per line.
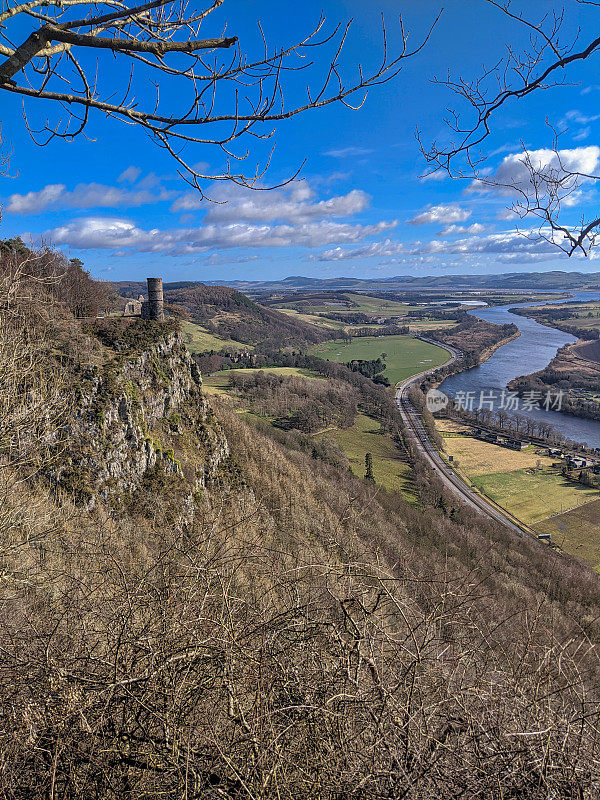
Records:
x=449, y=478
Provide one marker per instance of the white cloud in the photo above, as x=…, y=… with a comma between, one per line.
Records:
x=507, y=246
x=348, y=152
x=130, y=175
x=507, y=243
x=383, y=249
x=113, y=232
x=452, y=230
x=436, y=175
x=217, y=259
x=522, y=258
x=444, y=214
x=579, y=118
x=514, y=172
x=33, y=202
x=583, y=134
x=84, y=195
x=293, y=203
x=102, y=232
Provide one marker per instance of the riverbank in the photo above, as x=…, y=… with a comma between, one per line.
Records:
x=531, y=352
x=572, y=374
x=578, y=318
x=464, y=362
x=575, y=369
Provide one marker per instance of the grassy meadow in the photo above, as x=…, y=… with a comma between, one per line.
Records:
x=577, y=532
x=313, y=319
x=352, y=303
x=199, y=340
x=530, y=487
x=336, y=324
x=366, y=436
x=406, y=355
x=533, y=496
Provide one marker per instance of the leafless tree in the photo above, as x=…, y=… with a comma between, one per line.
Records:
x=203, y=91
x=544, y=182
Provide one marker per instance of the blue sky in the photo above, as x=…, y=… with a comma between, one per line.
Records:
x=360, y=207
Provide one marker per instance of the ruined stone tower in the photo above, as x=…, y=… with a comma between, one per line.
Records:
x=153, y=308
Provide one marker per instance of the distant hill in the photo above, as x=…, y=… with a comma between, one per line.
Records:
x=229, y=314
x=554, y=279
x=513, y=280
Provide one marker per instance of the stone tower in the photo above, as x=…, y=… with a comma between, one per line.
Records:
x=154, y=308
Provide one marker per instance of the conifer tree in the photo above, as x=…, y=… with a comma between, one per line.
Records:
x=369, y=468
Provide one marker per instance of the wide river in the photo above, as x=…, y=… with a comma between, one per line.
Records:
x=532, y=351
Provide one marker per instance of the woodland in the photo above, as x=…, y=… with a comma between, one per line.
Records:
x=195, y=605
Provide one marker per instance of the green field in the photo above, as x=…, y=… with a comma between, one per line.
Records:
x=365, y=436
x=313, y=319
x=336, y=324
x=199, y=340
x=587, y=315
x=533, y=496
x=529, y=485
x=429, y=324
x=406, y=355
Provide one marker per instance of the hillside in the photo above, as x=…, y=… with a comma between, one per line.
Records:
x=230, y=315
x=194, y=605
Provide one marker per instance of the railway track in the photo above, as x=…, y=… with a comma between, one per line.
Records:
x=449, y=478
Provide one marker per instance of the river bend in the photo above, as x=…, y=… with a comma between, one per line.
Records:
x=530, y=352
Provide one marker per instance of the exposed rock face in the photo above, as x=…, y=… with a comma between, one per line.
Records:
x=135, y=415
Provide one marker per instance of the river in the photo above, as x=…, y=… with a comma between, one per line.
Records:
x=531, y=352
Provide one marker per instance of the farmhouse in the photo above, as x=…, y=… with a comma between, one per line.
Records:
x=501, y=441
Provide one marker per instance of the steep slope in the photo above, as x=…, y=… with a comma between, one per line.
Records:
x=130, y=412
x=239, y=619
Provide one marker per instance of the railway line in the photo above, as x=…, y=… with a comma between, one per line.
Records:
x=449, y=478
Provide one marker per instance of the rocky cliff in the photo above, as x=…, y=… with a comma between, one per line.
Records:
x=137, y=416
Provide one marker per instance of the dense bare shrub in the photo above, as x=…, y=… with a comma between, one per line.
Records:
x=302, y=634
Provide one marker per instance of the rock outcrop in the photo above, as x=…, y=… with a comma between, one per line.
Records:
x=135, y=415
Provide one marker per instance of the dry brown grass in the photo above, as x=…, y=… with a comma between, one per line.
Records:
x=482, y=458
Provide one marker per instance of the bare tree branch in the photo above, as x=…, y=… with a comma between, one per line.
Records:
x=545, y=186
x=197, y=87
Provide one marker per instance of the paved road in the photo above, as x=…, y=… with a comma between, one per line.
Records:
x=414, y=425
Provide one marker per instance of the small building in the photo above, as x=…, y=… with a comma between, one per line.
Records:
x=555, y=452
x=133, y=308
x=516, y=444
